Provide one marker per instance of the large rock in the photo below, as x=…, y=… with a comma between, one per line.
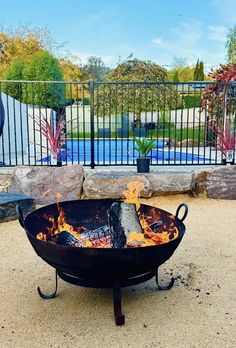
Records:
x=8, y=203
x=43, y=183
x=221, y=183
x=168, y=183
x=5, y=179
x=199, y=182
x=113, y=184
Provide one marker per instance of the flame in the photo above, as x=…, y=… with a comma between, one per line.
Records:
x=133, y=192
x=147, y=237
x=165, y=232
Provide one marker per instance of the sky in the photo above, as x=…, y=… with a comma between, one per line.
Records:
x=113, y=29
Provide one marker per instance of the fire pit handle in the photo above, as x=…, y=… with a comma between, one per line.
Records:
x=185, y=212
x=20, y=216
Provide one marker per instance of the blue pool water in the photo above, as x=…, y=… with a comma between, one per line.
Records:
x=118, y=151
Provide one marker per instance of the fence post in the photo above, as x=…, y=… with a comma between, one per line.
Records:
x=91, y=89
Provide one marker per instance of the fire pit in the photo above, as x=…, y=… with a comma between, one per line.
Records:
x=77, y=238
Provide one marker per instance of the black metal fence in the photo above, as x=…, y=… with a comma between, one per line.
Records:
x=96, y=123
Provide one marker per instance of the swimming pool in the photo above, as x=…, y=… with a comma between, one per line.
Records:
x=120, y=151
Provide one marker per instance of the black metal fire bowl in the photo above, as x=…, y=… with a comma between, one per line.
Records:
x=100, y=267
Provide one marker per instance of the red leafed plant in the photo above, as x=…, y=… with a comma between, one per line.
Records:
x=46, y=128
x=225, y=139
x=215, y=98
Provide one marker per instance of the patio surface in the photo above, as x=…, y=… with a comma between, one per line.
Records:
x=199, y=311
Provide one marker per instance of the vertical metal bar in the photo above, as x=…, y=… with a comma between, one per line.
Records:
x=176, y=118
x=187, y=130
x=71, y=125
x=3, y=146
x=170, y=108
x=193, y=140
x=8, y=126
x=199, y=125
x=164, y=119
x=14, y=127
x=91, y=89
x=122, y=120
x=109, y=87
x=134, y=117
x=85, y=140
x=78, y=119
x=20, y=86
x=115, y=123
x=158, y=88
x=128, y=125
x=181, y=124
x=27, y=121
x=103, y=124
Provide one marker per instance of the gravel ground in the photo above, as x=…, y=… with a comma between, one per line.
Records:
x=199, y=311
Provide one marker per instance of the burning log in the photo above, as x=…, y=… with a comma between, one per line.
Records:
x=66, y=238
x=156, y=225
x=88, y=238
x=123, y=219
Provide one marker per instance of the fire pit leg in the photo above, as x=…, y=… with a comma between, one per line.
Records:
x=167, y=286
x=48, y=296
x=119, y=317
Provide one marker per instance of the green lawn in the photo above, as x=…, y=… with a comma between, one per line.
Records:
x=174, y=134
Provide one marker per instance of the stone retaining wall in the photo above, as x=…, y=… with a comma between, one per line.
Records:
x=43, y=183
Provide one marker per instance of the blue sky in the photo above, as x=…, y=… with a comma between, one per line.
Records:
x=156, y=30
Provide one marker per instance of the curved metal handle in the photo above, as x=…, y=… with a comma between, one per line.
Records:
x=185, y=211
x=20, y=216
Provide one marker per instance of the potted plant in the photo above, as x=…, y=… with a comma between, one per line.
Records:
x=144, y=146
x=225, y=143
x=52, y=134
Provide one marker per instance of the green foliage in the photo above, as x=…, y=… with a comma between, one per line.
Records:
x=44, y=67
x=41, y=67
x=176, y=76
x=14, y=72
x=231, y=45
x=192, y=101
x=124, y=98
x=199, y=71
x=96, y=69
x=196, y=71
x=21, y=43
x=144, y=146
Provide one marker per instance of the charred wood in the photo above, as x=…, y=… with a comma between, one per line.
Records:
x=123, y=219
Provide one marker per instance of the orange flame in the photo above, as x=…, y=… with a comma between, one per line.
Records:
x=165, y=233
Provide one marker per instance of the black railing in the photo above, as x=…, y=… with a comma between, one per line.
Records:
x=100, y=121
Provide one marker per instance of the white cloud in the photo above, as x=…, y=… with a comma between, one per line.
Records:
x=217, y=33
x=157, y=41
x=182, y=41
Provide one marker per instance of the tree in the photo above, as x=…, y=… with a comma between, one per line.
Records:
x=73, y=72
x=176, y=76
x=96, y=69
x=219, y=99
x=201, y=71
x=44, y=67
x=154, y=95
x=14, y=72
x=22, y=43
x=196, y=71
x=40, y=67
x=231, y=45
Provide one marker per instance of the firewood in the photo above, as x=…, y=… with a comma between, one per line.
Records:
x=123, y=219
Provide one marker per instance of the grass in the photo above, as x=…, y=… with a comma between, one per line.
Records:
x=174, y=134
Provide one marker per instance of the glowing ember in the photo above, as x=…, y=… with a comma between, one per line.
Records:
x=82, y=237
